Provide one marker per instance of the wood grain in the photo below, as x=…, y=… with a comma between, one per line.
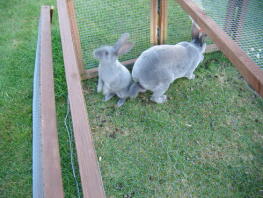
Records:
x=52, y=178
x=91, y=181
x=249, y=69
x=75, y=35
x=211, y=48
x=163, y=21
x=154, y=22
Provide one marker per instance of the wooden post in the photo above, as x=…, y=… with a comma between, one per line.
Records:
x=154, y=22
x=52, y=179
x=91, y=180
x=75, y=35
x=236, y=55
x=163, y=21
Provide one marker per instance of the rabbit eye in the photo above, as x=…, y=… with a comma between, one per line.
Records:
x=106, y=53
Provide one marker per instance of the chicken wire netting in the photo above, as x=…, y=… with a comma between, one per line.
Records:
x=242, y=21
x=178, y=24
x=101, y=22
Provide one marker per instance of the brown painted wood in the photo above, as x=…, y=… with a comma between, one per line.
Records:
x=211, y=48
x=93, y=72
x=91, y=181
x=52, y=178
x=90, y=73
x=163, y=21
x=154, y=22
x=75, y=34
x=250, y=71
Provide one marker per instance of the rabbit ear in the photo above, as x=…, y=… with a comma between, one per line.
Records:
x=98, y=53
x=195, y=30
x=124, y=37
x=122, y=46
x=125, y=47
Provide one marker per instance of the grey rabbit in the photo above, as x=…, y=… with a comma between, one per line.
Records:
x=113, y=77
x=157, y=67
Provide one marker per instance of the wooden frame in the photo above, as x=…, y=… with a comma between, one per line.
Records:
x=91, y=181
x=163, y=21
x=158, y=31
x=249, y=70
x=154, y=22
x=52, y=179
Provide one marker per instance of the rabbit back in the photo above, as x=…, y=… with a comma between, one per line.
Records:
x=165, y=63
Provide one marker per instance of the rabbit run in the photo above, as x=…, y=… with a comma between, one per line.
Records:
x=113, y=77
x=157, y=67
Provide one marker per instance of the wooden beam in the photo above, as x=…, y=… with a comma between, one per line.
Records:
x=52, y=179
x=75, y=34
x=91, y=181
x=93, y=72
x=154, y=22
x=250, y=71
x=211, y=48
x=163, y=21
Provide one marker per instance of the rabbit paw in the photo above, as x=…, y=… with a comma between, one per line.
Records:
x=160, y=99
x=121, y=102
x=108, y=97
x=99, y=89
x=192, y=76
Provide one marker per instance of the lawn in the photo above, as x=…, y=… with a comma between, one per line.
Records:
x=206, y=141
x=18, y=25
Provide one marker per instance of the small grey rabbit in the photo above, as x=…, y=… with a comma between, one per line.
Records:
x=113, y=77
x=157, y=67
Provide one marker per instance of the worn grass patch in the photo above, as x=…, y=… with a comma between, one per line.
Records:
x=205, y=141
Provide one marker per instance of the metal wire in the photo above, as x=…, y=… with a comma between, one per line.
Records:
x=242, y=21
x=70, y=140
x=37, y=174
x=179, y=24
x=101, y=22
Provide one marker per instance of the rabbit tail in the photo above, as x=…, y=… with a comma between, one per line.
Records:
x=134, y=89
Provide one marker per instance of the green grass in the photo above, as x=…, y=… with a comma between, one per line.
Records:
x=18, y=24
x=206, y=141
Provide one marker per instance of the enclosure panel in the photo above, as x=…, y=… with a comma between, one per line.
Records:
x=49, y=153
x=242, y=21
x=237, y=56
x=101, y=22
x=179, y=24
x=91, y=181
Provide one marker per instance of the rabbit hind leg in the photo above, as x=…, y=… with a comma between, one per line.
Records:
x=121, y=102
x=108, y=96
x=158, y=93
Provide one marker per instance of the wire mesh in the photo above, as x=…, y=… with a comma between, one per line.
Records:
x=242, y=21
x=101, y=22
x=37, y=174
x=179, y=24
